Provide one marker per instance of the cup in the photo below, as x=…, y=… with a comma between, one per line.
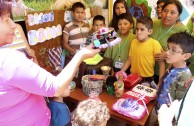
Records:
x=105, y=70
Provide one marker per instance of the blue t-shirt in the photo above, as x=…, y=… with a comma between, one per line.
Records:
x=173, y=83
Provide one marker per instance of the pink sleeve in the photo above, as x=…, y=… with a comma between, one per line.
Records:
x=22, y=73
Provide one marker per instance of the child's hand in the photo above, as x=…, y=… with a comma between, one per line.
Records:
x=121, y=72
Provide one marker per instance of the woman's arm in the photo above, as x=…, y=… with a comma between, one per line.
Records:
x=67, y=74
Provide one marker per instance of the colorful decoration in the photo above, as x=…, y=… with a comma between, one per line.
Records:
x=41, y=35
x=139, y=8
x=40, y=18
x=110, y=38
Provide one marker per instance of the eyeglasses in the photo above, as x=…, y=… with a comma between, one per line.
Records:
x=172, y=50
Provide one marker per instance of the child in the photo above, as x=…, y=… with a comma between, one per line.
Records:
x=119, y=52
x=119, y=7
x=90, y=113
x=142, y=50
x=160, y=4
x=98, y=22
x=180, y=46
x=76, y=32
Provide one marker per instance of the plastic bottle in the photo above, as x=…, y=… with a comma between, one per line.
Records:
x=119, y=86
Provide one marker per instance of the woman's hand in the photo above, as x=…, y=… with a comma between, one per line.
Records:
x=160, y=56
x=88, y=52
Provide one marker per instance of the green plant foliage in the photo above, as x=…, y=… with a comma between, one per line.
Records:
x=39, y=5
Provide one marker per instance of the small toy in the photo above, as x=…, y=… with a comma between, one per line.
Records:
x=110, y=38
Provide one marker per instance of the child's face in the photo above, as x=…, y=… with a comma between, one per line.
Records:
x=79, y=14
x=98, y=24
x=175, y=54
x=124, y=26
x=142, y=32
x=159, y=9
x=120, y=9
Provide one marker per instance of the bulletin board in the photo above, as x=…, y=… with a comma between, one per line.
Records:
x=45, y=40
x=137, y=8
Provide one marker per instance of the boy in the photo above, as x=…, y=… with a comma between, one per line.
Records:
x=90, y=112
x=76, y=32
x=142, y=50
x=180, y=47
x=98, y=23
x=119, y=52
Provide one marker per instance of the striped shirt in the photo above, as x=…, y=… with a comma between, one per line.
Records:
x=77, y=34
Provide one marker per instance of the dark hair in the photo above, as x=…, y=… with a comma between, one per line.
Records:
x=185, y=40
x=77, y=5
x=5, y=7
x=161, y=1
x=126, y=16
x=147, y=21
x=115, y=17
x=99, y=17
x=175, y=2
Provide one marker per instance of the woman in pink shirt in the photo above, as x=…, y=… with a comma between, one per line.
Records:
x=23, y=83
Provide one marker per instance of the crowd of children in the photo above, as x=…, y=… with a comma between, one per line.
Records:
x=137, y=52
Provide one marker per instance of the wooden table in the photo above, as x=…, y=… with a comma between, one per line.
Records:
x=77, y=95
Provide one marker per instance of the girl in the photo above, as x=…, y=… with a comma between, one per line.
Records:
x=119, y=7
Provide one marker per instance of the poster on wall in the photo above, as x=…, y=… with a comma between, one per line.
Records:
x=147, y=8
x=20, y=7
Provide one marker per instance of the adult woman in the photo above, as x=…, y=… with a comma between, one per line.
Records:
x=23, y=83
x=166, y=26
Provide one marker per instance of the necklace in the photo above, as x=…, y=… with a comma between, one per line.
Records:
x=159, y=38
